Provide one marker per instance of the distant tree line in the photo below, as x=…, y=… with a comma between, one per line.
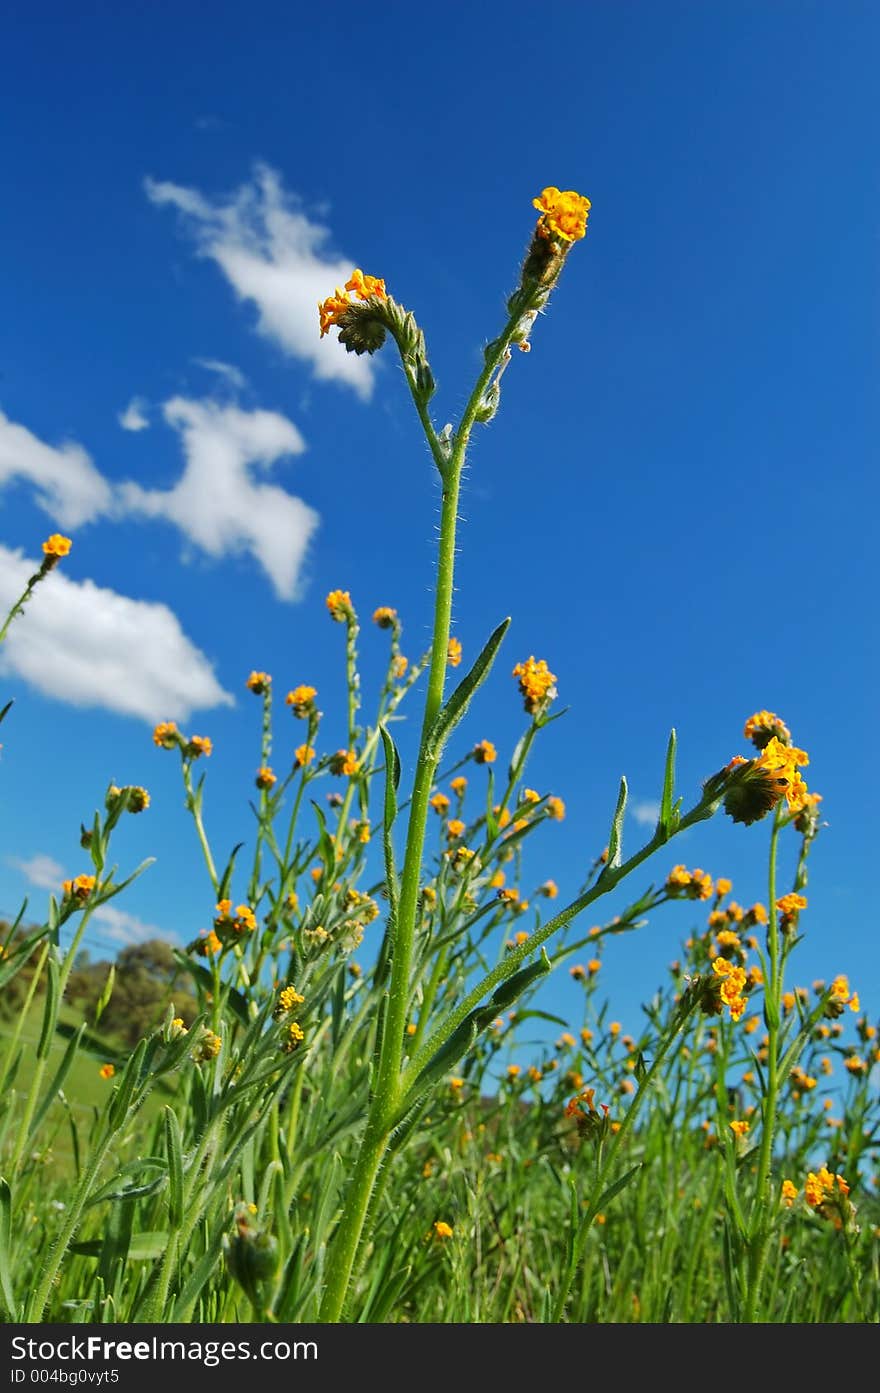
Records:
x=147, y=978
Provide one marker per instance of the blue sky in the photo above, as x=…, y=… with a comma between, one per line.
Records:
x=676, y=502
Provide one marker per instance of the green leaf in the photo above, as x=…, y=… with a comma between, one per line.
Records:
x=125, y=1092
x=668, y=819
x=5, y=1241
x=226, y=878
x=107, y=992
x=616, y=1188
x=50, y=1009
x=392, y=780
x=174, y=1152
x=513, y=988
x=615, y=836
x=60, y=1075
x=326, y=849
x=144, y=1247
x=460, y=700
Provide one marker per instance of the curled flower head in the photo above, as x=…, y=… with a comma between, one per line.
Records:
x=265, y=778
x=198, y=745
x=343, y=762
x=207, y=944
x=339, y=605
x=453, y=652
x=753, y=787
x=303, y=755
x=564, y=214
x=739, y=1128
x=789, y=907
x=763, y=726
x=208, y=1047
x=166, y=735
x=294, y=1036
x=361, y=328
x=841, y=996
x=484, y=752
x=536, y=683
x=259, y=683
x=302, y=700
x=80, y=888
x=54, y=548
x=385, y=617
x=695, y=884
x=789, y=1193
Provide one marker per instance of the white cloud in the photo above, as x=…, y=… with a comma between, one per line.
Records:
x=68, y=486
x=40, y=870
x=234, y=376
x=89, y=646
x=645, y=811
x=218, y=503
x=271, y=254
x=133, y=417
x=124, y=928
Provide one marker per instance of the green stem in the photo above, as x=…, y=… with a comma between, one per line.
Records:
x=760, y=1225
x=37, y=1303
x=200, y=828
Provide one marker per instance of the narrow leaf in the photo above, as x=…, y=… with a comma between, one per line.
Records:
x=5, y=1240
x=460, y=699
x=174, y=1153
x=615, y=836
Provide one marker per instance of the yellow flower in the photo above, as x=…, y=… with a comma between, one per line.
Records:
x=578, y=972
x=454, y=828
x=536, y=683
x=440, y=803
x=331, y=310
x=739, y=1129
x=303, y=755
x=841, y=995
x=245, y=920
x=288, y=998
x=593, y=967
x=456, y=1085
x=344, y=762
x=614, y=1029
x=166, y=735
x=442, y=1230
x=208, y=944
x=855, y=1065
x=56, y=545
x=302, y=700
x=555, y=808
x=339, y=604
x=106, y=1071
x=458, y=785
x=513, y=1071
x=259, y=683
x=265, y=778
x=400, y=665
x=763, y=726
x=295, y=1036
x=80, y=888
x=549, y=889
x=485, y=752
x=520, y=938
x=723, y=887
x=453, y=652
x=789, y=1193
x=754, y=786
x=384, y=616
x=198, y=745
x=365, y=286
x=208, y=1046
x=564, y=213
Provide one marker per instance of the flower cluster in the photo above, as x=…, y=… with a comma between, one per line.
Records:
x=536, y=683
x=332, y=310
x=694, y=885
x=564, y=214
x=259, y=683
x=752, y=787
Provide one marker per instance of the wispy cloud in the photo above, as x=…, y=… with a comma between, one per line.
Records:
x=39, y=870
x=133, y=417
x=92, y=647
x=273, y=255
x=234, y=376
x=66, y=484
x=218, y=503
x=123, y=928
x=645, y=811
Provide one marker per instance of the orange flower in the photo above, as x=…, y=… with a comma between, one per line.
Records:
x=259, y=683
x=453, y=652
x=57, y=546
x=485, y=752
x=564, y=213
